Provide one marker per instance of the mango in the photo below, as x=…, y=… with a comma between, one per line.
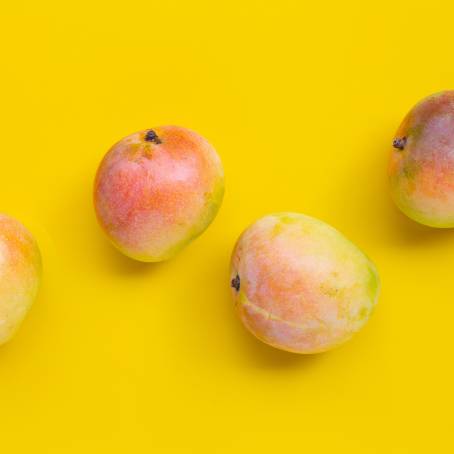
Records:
x=157, y=190
x=421, y=163
x=299, y=285
x=20, y=275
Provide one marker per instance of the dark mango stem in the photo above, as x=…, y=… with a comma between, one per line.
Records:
x=236, y=283
x=151, y=136
x=400, y=143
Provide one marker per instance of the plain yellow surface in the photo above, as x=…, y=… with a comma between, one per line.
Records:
x=301, y=99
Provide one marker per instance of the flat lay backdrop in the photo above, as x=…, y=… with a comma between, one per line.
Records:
x=301, y=100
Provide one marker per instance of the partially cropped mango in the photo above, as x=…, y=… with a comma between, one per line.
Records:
x=299, y=285
x=20, y=275
x=157, y=190
x=421, y=164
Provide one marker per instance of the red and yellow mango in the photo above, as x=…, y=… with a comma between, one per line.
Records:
x=421, y=164
x=157, y=190
x=299, y=285
x=20, y=275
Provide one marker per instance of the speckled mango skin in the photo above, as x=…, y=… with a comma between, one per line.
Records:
x=421, y=173
x=20, y=275
x=303, y=287
x=154, y=197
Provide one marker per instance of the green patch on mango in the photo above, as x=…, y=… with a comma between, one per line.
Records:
x=373, y=284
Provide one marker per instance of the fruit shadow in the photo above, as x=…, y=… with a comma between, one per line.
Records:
x=256, y=354
x=263, y=356
x=406, y=232
x=122, y=264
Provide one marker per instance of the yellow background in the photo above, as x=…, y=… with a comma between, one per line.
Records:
x=301, y=99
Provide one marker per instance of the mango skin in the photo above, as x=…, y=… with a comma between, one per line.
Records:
x=154, y=197
x=20, y=275
x=421, y=170
x=299, y=285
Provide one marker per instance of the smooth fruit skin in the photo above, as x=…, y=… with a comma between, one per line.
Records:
x=157, y=190
x=421, y=165
x=299, y=285
x=20, y=274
